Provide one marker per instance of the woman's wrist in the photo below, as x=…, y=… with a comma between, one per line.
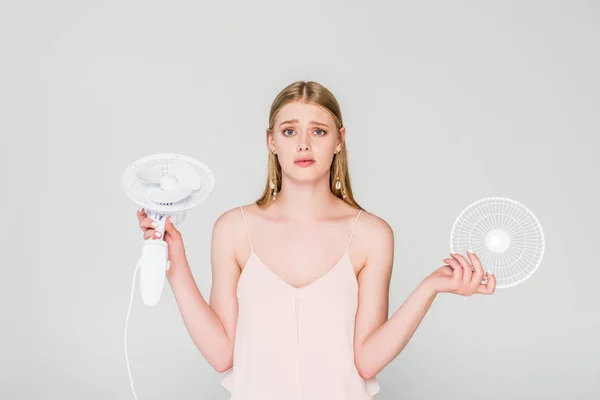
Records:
x=429, y=286
x=177, y=268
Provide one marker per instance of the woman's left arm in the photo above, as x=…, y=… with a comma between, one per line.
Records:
x=378, y=340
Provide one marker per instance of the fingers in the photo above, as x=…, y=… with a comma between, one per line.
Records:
x=147, y=225
x=457, y=274
x=467, y=269
x=489, y=287
x=144, y=221
x=478, y=270
x=141, y=214
x=469, y=274
x=151, y=233
x=171, y=230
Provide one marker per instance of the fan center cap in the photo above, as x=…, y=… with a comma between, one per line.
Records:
x=497, y=240
x=168, y=182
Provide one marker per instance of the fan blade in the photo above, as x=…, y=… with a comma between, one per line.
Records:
x=186, y=174
x=151, y=175
x=170, y=196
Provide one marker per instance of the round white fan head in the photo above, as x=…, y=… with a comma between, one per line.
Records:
x=505, y=235
x=168, y=182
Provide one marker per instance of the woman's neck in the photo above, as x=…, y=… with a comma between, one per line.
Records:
x=305, y=202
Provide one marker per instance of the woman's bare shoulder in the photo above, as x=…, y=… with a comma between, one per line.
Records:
x=229, y=230
x=374, y=221
x=232, y=219
x=230, y=224
x=373, y=228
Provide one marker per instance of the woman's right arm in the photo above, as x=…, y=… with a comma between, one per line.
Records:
x=212, y=326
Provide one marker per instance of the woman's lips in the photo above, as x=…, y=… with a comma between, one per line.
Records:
x=305, y=163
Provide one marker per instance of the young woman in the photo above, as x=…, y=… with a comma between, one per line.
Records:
x=300, y=279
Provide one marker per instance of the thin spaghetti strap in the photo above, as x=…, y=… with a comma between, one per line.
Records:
x=247, y=231
x=352, y=233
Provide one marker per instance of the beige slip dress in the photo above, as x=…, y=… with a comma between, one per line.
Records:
x=296, y=343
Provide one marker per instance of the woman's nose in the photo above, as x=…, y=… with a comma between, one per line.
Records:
x=303, y=139
x=303, y=147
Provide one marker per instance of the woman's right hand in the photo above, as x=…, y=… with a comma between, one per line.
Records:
x=173, y=238
x=462, y=276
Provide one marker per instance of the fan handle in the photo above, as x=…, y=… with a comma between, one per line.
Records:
x=153, y=265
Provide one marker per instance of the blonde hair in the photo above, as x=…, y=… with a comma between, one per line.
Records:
x=311, y=93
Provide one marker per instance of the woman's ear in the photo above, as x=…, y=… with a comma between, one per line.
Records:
x=270, y=145
x=338, y=148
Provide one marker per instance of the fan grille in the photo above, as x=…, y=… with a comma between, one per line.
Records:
x=505, y=235
x=139, y=191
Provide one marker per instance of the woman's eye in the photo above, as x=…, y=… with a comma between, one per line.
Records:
x=317, y=130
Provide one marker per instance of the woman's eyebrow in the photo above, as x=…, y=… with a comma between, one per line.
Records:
x=312, y=122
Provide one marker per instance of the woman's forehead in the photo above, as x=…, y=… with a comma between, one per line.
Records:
x=304, y=113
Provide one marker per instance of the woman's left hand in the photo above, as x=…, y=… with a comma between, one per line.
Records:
x=459, y=277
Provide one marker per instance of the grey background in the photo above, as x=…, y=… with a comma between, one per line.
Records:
x=444, y=103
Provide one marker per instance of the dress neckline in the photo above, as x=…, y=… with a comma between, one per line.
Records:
x=344, y=257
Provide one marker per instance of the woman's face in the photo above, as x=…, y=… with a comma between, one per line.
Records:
x=305, y=131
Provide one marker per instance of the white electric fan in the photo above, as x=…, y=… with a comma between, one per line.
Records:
x=505, y=235
x=165, y=185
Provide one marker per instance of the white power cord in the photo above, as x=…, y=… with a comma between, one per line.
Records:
x=137, y=266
